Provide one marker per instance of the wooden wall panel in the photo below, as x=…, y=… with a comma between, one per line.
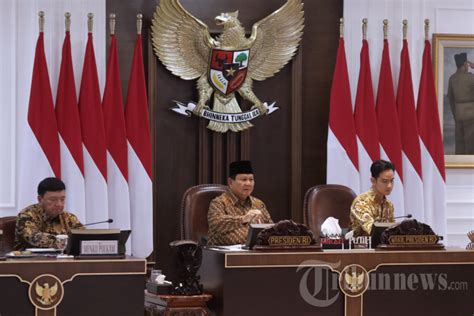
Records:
x=288, y=148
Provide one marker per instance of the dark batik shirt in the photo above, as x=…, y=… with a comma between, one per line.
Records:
x=225, y=218
x=35, y=230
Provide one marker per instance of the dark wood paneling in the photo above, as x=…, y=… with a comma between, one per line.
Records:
x=288, y=148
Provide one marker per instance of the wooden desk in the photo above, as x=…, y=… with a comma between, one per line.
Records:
x=74, y=287
x=303, y=283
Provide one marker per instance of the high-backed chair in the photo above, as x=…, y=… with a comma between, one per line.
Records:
x=194, y=208
x=7, y=225
x=325, y=200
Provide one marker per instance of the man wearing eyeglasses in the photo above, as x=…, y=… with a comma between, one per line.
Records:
x=37, y=225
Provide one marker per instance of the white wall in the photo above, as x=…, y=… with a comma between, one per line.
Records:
x=454, y=16
x=18, y=34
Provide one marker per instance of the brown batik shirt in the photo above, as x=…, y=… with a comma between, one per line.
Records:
x=366, y=210
x=35, y=230
x=225, y=218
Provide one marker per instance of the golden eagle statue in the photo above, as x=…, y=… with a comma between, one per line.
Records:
x=230, y=62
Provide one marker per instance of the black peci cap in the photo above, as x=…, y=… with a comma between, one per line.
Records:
x=240, y=167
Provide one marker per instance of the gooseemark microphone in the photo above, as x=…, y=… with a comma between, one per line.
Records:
x=102, y=222
x=404, y=216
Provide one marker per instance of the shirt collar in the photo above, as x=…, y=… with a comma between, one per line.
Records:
x=373, y=196
x=235, y=200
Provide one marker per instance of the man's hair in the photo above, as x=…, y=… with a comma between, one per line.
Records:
x=50, y=184
x=379, y=166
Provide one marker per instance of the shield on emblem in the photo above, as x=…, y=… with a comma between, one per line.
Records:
x=228, y=69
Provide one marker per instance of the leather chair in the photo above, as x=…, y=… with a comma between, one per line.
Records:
x=194, y=208
x=7, y=225
x=323, y=201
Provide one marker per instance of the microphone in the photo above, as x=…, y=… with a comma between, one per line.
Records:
x=102, y=222
x=404, y=216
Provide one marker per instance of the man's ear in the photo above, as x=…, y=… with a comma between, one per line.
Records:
x=373, y=180
x=40, y=198
x=229, y=181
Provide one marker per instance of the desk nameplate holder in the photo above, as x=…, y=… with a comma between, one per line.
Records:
x=98, y=247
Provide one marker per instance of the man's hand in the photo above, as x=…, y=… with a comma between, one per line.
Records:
x=252, y=216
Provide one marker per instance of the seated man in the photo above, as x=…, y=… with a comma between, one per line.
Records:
x=373, y=206
x=37, y=225
x=231, y=213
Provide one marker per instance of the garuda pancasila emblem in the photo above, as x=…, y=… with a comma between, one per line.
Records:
x=45, y=293
x=226, y=64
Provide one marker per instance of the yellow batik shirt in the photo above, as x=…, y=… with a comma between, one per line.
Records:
x=35, y=230
x=366, y=210
x=225, y=218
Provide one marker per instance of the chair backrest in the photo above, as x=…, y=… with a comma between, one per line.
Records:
x=7, y=225
x=325, y=200
x=194, y=208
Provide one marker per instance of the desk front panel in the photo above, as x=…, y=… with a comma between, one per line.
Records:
x=398, y=283
x=88, y=287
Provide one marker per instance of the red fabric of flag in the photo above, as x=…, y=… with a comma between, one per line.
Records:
x=41, y=116
x=387, y=116
x=341, y=120
x=90, y=109
x=67, y=112
x=114, y=112
x=365, y=118
x=427, y=113
x=406, y=112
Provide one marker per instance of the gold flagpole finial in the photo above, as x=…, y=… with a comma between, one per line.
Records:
x=385, y=29
x=90, y=22
x=427, y=29
x=341, y=27
x=41, y=21
x=405, y=28
x=139, y=23
x=112, y=23
x=364, y=28
x=67, y=21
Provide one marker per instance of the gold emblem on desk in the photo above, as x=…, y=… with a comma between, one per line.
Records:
x=228, y=63
x=46, y=291
x=354, y=280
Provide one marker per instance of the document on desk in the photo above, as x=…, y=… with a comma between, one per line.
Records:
x=236, y=248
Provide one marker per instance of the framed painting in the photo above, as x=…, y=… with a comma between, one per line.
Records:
x=453, y=58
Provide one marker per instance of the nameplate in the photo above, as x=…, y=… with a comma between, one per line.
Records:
x=289, y=240
x=99, y=247
x=413, y=239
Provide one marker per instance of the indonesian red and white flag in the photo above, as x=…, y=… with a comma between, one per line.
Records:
x=342, y=160
x=116, y=136
x=40, y=143
x=365, y=120
x=69, y=126
x=432, y=150
x=411, y=156
x=93, y=137
x=389, y=129
x=140, y=174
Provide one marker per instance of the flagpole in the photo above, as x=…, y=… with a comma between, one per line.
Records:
x=139, y=23
x=41, y=21
x=427, y=29
x=90, y=22
x=364, y=28
x=112, y=23
x=67, y=21
x=385, y=29
x=405, y=28
x=341, y=28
